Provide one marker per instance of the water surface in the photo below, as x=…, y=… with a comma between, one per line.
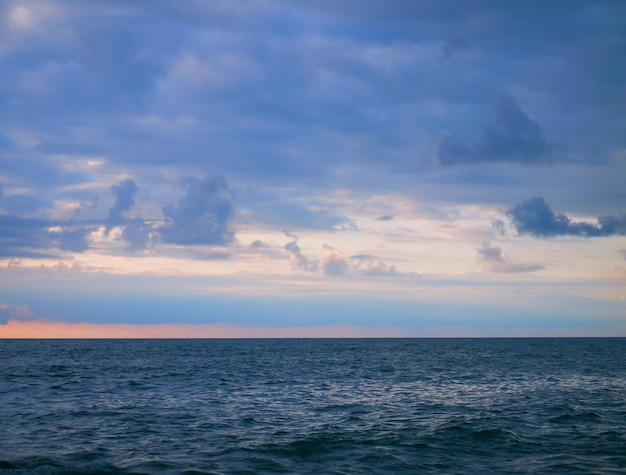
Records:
x=318, y=405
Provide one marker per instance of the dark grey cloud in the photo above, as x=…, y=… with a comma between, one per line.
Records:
x=202, y=215
x=137, y=234
x=41, y=238
x=510, y=136
x=291, y=93
x=267, y=91
x=72, y=238
x=535, y=217
x=24, y=237
x=124, y=200
x=497, y=262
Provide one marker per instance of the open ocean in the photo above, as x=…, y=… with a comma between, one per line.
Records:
x=313, y=406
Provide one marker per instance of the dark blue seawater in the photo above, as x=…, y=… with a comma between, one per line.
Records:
x=313, y=406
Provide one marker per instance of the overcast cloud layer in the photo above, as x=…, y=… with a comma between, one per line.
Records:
x=416, y=154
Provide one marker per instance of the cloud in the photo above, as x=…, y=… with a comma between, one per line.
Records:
x=151, y=56
x=492, y=255
x=139, y=235
x=43, y=238
x=124, y=200
x=202, y=215
x=454, y=46
x=9, y=312
x=334, y=261
x=72, y=238
x=19, y=203
x=536, y=218
x=320, y=114
x=299, y=260
x=211, y=255
x=370, y=266
x=377, y=269
x=498, y=225
x=40, y=238
x=24, y=204
x=511, y=136
x=290, y=210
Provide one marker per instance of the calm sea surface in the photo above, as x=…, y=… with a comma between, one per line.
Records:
x=313, y=406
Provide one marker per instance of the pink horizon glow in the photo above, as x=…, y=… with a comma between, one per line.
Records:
x=40, y=329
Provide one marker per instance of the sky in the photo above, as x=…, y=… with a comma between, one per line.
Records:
x=274, y=168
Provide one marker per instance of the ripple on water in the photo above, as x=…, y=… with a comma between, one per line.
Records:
x=293, y=406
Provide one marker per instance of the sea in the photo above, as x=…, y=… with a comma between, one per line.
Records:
x=344, y=406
